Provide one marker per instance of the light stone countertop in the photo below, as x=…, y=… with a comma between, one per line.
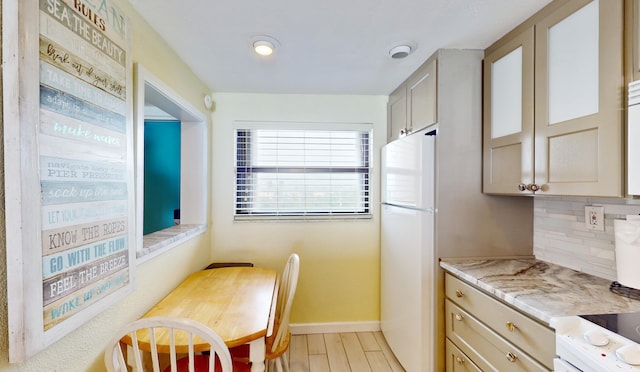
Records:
x=540, y=289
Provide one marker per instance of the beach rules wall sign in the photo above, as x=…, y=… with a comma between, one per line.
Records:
x=71, y=246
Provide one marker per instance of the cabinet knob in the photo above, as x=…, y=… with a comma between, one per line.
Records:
x=511, y=357
x=459, y=293
x=405, y=132
x=531, y=187
x=511, y=327
x=459, y=317
x=459, y=360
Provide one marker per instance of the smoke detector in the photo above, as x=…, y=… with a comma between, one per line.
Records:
x=401, y=50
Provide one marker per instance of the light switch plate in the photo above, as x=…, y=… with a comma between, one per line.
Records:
x=594, y=218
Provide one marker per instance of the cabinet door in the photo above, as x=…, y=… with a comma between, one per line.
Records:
x=579, y=100
x=397, y=113
x=422, y=98
x=508, y=116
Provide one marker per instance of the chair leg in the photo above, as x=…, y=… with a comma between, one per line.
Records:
x=285, y=360
x=271, y=365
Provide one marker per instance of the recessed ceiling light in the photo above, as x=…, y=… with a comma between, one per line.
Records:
x=263, y=47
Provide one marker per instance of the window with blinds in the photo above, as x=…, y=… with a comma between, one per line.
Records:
x=302, y=170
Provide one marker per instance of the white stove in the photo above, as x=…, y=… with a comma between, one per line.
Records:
x=597, y=343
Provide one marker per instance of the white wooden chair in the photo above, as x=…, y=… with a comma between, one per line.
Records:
x=115, y=361
x=278, y=343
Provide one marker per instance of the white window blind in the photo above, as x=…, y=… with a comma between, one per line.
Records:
x=302, y=170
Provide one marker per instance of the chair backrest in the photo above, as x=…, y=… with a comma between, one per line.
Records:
x=155, y=326
x=286, y=292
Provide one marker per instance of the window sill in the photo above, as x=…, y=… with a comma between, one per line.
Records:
x=161, y=241
x=307, y=218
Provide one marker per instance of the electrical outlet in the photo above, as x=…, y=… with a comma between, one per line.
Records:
x=594, y=218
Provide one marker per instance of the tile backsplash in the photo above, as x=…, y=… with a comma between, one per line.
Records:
x=561, y=237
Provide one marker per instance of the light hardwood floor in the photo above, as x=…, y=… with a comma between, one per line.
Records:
x=341, y=352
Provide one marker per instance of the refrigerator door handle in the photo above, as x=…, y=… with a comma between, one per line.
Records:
x=428, y=210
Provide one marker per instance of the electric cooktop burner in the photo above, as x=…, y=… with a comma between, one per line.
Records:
x=625, y=324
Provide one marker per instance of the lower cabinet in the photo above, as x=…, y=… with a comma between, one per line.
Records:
x=457, y=361
x=486, y=334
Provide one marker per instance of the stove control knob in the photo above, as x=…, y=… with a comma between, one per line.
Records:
x=629, y=354
x=596, y=337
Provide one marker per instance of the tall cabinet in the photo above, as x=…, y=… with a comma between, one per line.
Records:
x=554, y=103
x=468, y=223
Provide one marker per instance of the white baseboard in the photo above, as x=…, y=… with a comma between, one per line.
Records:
x=336, y=327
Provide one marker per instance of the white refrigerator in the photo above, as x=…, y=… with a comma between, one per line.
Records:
x=407, y=249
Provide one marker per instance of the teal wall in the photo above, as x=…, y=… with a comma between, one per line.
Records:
x=161, y=174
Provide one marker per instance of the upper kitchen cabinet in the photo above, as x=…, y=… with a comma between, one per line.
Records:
x=422, y=97
x=397, y=113
x=562, y=70
x=508, y=115
x=413, y=105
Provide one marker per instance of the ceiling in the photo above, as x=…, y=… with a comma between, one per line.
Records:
x=327, y=46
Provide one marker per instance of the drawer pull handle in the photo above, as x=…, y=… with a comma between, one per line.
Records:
x=511, y=357
x=459, y=293
x=459, y=317
x=459, y=360
x=511, y=327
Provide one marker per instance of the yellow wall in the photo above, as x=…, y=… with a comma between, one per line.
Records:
x=339, y=261
x=82, y=349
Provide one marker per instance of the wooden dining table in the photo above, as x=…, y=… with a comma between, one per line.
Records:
x=238, y=303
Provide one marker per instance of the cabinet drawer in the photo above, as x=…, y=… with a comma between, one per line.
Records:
x=457, y=361
x=517, y=328
x=486, y=348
